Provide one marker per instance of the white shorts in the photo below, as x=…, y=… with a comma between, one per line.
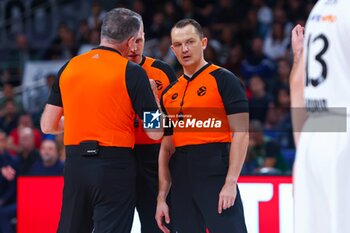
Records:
x=322, y=183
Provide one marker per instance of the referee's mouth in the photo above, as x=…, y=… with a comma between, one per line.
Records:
x=133, y=57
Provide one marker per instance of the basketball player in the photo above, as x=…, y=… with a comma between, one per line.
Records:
x=320, y=84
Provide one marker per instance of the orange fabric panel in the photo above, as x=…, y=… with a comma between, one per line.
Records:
x=162, y=82
x=94, y=100
x=200, y=105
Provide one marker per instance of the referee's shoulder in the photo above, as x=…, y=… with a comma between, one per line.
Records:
x=223, y=75
x=133, y=67
x=163, y=67
x=169, y=87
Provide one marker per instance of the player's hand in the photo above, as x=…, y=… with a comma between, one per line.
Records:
x=297, y=42
x=227, y=196
x=8, y=172
x=162, y=212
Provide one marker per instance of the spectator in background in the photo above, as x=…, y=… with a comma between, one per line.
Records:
x=22, y=52
x=28, y=155
x=224, y=13
x=187, y=9
x=6, y=161
x=164, y=52
x=249, y=27
x=8, y=116
x=284, y=126
x=280, y=16
x=13, y=143
x=7, y=188
x=227, y=39
x=264, y=15
x=234, y=60
x=157, y=28
x=14, y=18
x=49, y=165
x=265, y=151
x=260, y=100
x=8, y=94
x=256, y=63
x=97, y=16
x=171, y=14
x=94, y=40
x=281, y=79
x=63, y=46
x=41, y=20
x=84, y=32
x=211, y=56
x=276, y=43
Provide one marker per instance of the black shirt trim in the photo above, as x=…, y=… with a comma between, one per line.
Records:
x=143, y=59
x=107, y=48
x=55, y=97
x=169, y=72
x=139, y=89
x=231, y=90
x=197, y=72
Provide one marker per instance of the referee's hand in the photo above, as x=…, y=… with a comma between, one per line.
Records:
x=227, y=196
x=162, y=212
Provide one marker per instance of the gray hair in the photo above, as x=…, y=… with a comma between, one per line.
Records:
x=120, y=24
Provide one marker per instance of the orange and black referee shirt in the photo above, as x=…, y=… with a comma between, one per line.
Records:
x=163, y=75
x=100, y=91
x=209, y=95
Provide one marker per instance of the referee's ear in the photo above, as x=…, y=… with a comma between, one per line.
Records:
x=131, y=43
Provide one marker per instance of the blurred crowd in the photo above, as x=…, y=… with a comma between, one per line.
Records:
x=250, y=38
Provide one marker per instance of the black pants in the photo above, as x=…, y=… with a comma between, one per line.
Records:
x=99, y=192
x=198, y=174
x=147, y=186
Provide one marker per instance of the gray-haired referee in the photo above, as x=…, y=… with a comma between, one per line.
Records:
x=100, y=92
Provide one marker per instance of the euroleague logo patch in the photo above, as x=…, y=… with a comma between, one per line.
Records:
x=174, y=96
x=159, y=84
x=202, y=91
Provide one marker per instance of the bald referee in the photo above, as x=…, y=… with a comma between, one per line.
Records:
x=99, y=93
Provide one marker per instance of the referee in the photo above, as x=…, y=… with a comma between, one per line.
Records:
x=99, y=93
x=207, y=162
x=147, y=149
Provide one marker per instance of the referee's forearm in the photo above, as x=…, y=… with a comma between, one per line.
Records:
x=238, y=151
x=166, y=150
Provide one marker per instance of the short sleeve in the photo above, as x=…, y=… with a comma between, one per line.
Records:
x=232, y=91
x=55, y=97
x=139, y=89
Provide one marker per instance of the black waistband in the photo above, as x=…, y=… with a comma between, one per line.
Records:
x=74, y=150
x=207, y=146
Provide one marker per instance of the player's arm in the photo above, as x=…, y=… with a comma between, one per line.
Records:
x=299, y=114
x=51, y=121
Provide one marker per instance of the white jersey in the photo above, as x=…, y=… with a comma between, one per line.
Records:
x=327, y=56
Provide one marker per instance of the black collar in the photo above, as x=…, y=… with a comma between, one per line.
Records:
x=197, y=72
x=142, y=60
x=108, y=48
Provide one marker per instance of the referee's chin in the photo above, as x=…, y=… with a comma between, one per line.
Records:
x=135, y=58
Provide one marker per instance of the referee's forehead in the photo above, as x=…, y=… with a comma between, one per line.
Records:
x=179, y=35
